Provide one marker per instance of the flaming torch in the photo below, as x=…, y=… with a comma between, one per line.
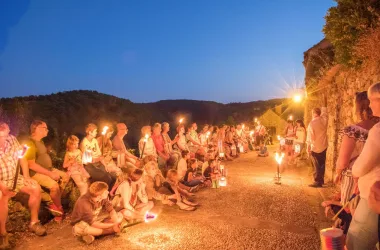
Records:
x=278, y=158
x=180, y=121
x=145, y=141
x=20, y=154
x=104, y=132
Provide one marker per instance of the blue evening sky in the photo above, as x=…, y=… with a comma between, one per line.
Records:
x=150, y=50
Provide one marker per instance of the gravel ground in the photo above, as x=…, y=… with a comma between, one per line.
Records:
x=250, y=213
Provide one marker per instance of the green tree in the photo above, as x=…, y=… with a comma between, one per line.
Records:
x=230, y=121
x=346, y=22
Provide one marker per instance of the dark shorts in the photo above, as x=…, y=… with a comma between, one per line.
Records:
x=288, y=142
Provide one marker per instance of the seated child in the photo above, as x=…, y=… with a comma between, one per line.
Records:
x=87, y=219
x=211, y=173
x=191, y=179
x=263, y=151
x=334, y=206
x=151, y=185
x=131, y=198
x=73, y=163
x=170, y=187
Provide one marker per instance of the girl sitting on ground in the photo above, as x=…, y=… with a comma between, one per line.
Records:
x=73, y=163
x=170, y=187
x=211, y=172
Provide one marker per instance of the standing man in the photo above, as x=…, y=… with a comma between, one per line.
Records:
x=9, y=149
x=42, y=170
x=317, y=143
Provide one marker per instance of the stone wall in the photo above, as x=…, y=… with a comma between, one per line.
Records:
x=339, y=84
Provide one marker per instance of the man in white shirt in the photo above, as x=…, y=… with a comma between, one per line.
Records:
x=317, y=144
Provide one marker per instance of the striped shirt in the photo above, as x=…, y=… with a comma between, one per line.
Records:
x=9, y=158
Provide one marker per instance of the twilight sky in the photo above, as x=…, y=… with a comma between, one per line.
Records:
x=150, y=50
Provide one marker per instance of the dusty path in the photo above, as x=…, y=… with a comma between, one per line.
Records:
x=250, y=213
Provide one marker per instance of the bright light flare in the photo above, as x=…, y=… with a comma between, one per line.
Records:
x=180, y=120
x=279, y=157
x=105, y=128
x=146, y=137
x=22, y=152
x=150, y=217
x=297, y=98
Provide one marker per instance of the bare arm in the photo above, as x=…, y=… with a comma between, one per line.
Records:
x=345, y=152
x=370, y=155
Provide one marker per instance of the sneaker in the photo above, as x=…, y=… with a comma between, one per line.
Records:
x=54, y=210
x=4, y=241
x=88, y=239
x=194, y=189
x=37, y=229
x=58, y=219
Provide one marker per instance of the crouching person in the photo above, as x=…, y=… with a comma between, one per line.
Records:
x=87, y=219
x=9, y=147
x=131, y=198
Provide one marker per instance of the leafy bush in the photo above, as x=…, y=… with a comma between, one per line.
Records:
x=346, y=23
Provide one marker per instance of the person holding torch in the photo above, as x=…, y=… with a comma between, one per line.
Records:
x=11, y=182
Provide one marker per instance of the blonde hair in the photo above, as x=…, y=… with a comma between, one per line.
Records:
x=71, y=141
x=374, y=90
x=34, y=125
x=90, y=127
x=144, y=130
x=97, y=188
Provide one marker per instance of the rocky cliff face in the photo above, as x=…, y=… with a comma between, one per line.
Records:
x=339, y=84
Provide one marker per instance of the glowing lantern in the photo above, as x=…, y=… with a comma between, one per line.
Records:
x=297, y=148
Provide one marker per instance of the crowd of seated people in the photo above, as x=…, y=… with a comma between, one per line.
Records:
x=110, y=178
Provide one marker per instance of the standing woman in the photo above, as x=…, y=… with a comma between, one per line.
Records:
x=363, y=231
x=353, y=140
x=300, y=138
x=289, y=140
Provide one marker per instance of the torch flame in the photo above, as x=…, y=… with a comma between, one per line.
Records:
x=279, y=157
x=105, y=128
x=251, y=133
x=180, y=120
x=290, y=117
x=149, y=217
x=146, y=137
x=278, y=137
x=243, y=126
x=21, y=153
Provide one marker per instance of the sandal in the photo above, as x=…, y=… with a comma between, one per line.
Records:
x=38, y=229
x=189, y=203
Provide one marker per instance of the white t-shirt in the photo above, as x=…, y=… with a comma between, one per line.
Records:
x=181, y=168
x=300, y=135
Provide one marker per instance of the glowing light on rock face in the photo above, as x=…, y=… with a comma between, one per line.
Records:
x=105, y=128
x=279, y=157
